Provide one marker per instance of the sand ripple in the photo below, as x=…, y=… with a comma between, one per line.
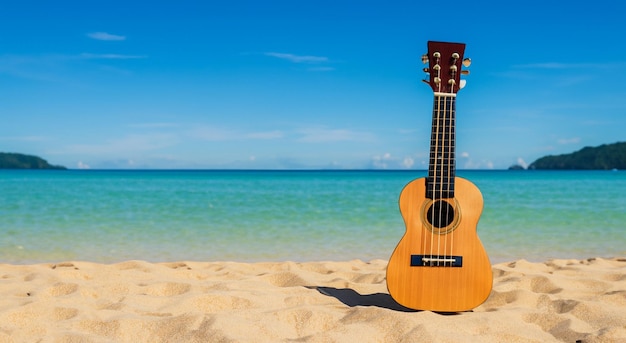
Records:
x=137, y=301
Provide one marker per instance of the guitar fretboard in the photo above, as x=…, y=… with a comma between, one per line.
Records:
x=441, y=166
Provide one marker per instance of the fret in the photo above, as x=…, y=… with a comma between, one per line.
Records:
x=439, y=195
x=443, y=133
x=442, y=162
x=441, y=167
x=440, y=158
x=441, y=176
x=441, y=181
x=440, y=187
x=441, y=138
x=443, y=122
x=438, y=146
x=442, y=154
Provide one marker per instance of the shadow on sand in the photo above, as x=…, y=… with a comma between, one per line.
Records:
x=352, y=298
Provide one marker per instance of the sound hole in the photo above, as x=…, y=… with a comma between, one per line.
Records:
x=440, y=214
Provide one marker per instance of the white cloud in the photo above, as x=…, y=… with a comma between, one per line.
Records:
x=129, y=144
x=550, y=65
x=264, y=135
x=573, y=140
x=81, y=165
x=31, y=67
x=111, y=56
x=521, y=162
x=556, y=65
x=321, y=69
x=24, y=138
x=472, y=163
x=153, y=125
x=49, y=67
x=406, y=131
x=298, y=58
x=560, y=65
x=105, y=36
x=210, y=133
x=382, y=162
x=408, y=162
x=322, y=135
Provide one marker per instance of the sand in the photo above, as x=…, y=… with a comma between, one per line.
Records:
x=136, y=301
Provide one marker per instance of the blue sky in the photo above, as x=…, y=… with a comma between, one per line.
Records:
x=304, y=84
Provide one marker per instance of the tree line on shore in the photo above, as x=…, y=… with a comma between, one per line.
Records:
x=10, y=160
x=603, y=157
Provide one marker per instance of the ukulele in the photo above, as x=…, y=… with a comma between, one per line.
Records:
x=440, y=264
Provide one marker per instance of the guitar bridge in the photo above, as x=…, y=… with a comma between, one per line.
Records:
x=436, y=261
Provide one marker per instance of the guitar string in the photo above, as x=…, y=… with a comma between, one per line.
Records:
x=438, y=99
x=440, y=178
x=437, y=184
x=430, y=165
x=433, y=184
x=446, y=179
x=444, y=176
x=451, y=166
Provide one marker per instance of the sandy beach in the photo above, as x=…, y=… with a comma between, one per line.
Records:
x=136, y=301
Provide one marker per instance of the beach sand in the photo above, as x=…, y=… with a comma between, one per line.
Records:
x=136, y=301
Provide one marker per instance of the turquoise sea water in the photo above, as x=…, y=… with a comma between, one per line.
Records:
x=110, y=216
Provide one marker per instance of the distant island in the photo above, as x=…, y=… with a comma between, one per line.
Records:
x=20, y=161
x=603, y=157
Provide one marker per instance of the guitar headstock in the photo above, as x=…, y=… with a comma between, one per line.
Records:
x=445, y=61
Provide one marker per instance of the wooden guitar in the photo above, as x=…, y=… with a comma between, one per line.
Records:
x=440, y=264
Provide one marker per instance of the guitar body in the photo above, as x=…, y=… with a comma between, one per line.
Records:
x=443, y=287
x=440, y=264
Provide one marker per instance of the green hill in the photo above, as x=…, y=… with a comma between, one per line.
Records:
x=606, y=156
x=20, y=161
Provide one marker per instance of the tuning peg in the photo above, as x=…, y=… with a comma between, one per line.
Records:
x=425, y=58
x=426, y=82
x=465, y=72
x=426, y=70
x=462, y=83
x=455, y=55
x=467, y=62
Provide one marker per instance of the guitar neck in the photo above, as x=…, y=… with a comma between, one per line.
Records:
x=441, y=166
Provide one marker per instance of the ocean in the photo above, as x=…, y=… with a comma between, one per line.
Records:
x=251, y=216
